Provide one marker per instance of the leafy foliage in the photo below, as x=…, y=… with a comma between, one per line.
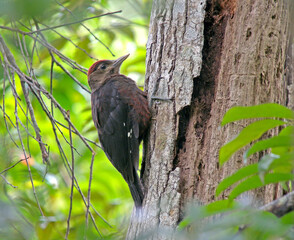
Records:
x=226, y=219
x=275, y=166
x=57, y=59
x=229, y=219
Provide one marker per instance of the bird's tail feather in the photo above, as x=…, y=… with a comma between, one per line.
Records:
x=136, y=191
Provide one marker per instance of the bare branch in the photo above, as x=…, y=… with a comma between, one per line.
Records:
x=29, y=83
x=72, y=77
x=3, y=109
x=88, y=140
x=24, y=152
x=88, y=28
x=71, y=23
x=72, y=180
x=35, y=85
x=281, y=206
x=4, y=178
x=45, y=154
x=6, y=169
x=6, y=53
x=14, y=30
x=58, y=26
x=89, y=187
x=69, y=40
x=100, y=215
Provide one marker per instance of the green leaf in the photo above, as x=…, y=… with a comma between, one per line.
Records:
x=250, y=133
x=287, y=131
x=277, y=141
x=237, y=176
x=277, y=177
x=285, y=163
x=255, y=182
x=259, y=111
x=288, y=218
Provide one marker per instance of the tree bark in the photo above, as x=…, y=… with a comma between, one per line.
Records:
x=204, y=57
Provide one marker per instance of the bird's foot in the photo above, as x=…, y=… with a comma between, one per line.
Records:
x=154, y=98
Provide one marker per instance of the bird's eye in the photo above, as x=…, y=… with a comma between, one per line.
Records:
x=103, y=66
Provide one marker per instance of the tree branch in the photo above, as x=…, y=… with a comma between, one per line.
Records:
x=10, y=58
x=58, y=26
x=71, y=23
x=280, y=206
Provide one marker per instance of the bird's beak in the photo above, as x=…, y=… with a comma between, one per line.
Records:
x=116, y=63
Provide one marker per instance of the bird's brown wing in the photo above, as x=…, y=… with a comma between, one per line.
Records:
x=116, y=129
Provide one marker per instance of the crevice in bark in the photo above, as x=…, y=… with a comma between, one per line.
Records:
x=195, y=117
x=184, y=116
x=234, y=62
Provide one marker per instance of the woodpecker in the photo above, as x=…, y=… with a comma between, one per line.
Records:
x=121, y=115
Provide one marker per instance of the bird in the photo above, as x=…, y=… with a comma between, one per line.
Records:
x=121, y=115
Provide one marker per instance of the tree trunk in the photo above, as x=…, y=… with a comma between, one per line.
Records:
x=204, y=57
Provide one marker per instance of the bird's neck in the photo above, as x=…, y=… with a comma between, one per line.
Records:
x=95, y=85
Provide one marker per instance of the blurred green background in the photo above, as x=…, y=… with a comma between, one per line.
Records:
x=120, y=34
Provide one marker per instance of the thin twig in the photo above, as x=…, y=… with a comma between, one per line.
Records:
x=3, y=109
x=89, y=187
x=12, y=166
x=58, y=26
x=14, y=92
x=89, y=140
x=51, y=83
x=24, y=152
x=37, y=52
x=71, y=76
x=5, y=114
x=16, y=208
x=45, y=155
x=125, y=19
x=100, y=215
x=39, y=97
x=35, y=85
x=14, y=30
x=72, y=23
x=69, y=40
x=27, y=130
x=50, y=116
x=37, y=89
x=104, y=45
x=72, y=180
x=54, y=60
x=4, y=178
x=47, y=45
x=68, y=168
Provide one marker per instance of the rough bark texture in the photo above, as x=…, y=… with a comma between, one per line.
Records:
x=173, y=60
x=242, y=62
x=246, y=50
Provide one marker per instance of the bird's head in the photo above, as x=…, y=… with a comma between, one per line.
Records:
x=101, y=70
